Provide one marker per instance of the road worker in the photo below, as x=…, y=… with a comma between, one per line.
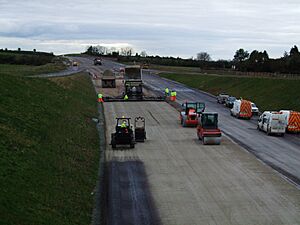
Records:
x=167, y=92
x=123, y=124
x=173, y=95
x=126, y=97
x=100, y=97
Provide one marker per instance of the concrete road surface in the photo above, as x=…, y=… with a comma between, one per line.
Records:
x=282, y=153
x=196, y=184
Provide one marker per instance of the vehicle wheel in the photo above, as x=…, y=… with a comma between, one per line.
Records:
x=282, y=135
x=184, y=123
x=268, y=131
x=132, y=145
x=113, y=141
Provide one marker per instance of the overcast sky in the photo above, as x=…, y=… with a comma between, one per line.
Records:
x=164, y=27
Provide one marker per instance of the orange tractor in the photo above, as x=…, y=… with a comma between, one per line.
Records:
x=207, y=129
x=190, y=113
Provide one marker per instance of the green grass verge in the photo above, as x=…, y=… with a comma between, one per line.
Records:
x=176, y=69
x=48, y=149
x=267, y=93
x=26, y=70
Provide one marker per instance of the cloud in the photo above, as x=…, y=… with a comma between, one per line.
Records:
x=169, y=27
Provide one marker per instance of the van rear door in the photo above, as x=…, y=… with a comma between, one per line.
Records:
x=278, y=123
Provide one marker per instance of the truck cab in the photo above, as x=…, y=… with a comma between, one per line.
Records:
x=272, y=123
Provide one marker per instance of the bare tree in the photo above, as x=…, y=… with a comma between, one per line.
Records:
x=143, y=54
x=203, y=56
x=127, y=51
x=102, y=50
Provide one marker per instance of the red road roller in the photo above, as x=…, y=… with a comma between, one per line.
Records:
x=207, y=129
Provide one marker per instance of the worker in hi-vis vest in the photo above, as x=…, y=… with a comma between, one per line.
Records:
x=123, y=124
x=126, y=97
x=100, y=97
x=167, y=92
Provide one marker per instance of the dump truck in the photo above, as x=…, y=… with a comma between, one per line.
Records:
x=108, y=79
x=190, y=112
x=207, y=129
x=133, y=73
x=133, y=82
x=293, y=121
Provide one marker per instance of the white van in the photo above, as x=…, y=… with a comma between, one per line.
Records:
x=241, y=109
x=272, y=122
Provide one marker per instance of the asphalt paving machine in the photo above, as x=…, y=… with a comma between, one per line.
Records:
x=190, y=113
x=207, y=129
x=133, y=87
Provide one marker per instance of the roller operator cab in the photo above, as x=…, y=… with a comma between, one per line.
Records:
x=190, y=112
x=272, y=123
x=123, y=134
x=207, y=129
x=242, y=109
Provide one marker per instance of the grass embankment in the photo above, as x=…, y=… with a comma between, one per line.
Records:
x=48, y=148
x=267, y=93
x=26, y=70
x=176, y=69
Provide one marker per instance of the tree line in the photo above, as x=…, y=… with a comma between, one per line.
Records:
x=256, y=61
x=25, y=57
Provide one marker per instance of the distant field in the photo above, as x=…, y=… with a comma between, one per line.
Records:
x=48, y=147
x=268, y=94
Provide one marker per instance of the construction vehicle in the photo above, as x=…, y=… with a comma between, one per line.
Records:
x=108, y=79
x=133, y=83
x=272, y=122
x=254, y=108
x=222, y=97
x=229, y=101
x=133, y=73
x=97, y=61
x=139, y=129
x=207, y=129
x=145, y=66
x=190, y=112
x=293, y=121
x=123, y=134
x=242, y=109
x=134, y=89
